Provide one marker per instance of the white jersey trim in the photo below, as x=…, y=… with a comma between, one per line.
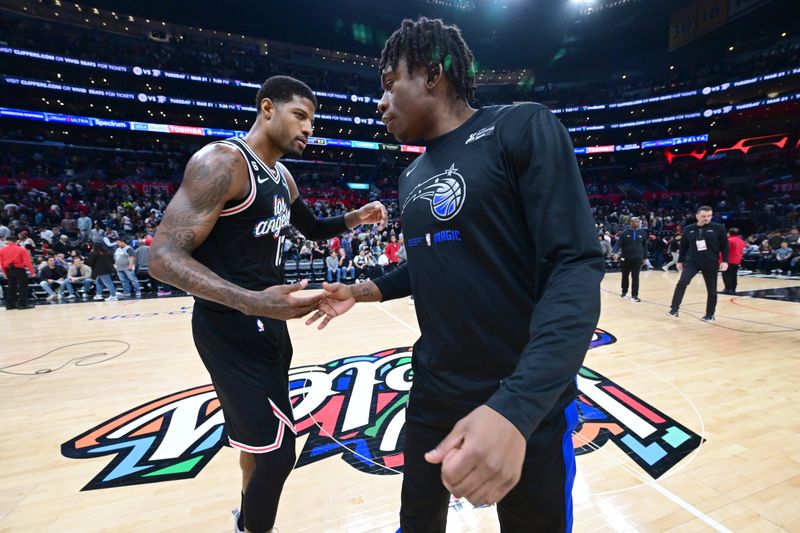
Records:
x=247, y=202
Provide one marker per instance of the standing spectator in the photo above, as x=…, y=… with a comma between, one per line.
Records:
x=347, y=245
x=141, y=252
x=674, y=249
x=605, y=246
x=84, y=227
x=14, y=260
x=402, y=255
x=78, y=273
x=53, y=277
x=391, y=252
x=334, y=245
x=125, y=263
x=101, y=261
x=96, y=235
x=735, y=253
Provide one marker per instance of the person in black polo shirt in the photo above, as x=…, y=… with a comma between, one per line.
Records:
x=701, y=246
x=505, y=270
x=632, y=244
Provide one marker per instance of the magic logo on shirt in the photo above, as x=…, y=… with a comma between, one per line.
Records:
x=445, y=192
x=431, y=239
x=278, y=221
x=354, y=408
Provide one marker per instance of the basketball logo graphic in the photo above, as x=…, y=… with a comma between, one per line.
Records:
x=445, y=192
x=447, y=197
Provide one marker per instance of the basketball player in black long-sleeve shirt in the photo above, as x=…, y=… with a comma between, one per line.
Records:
x=701, y=247
x=221, y=239
x=505, y=269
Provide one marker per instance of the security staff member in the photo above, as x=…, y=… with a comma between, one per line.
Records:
x=633, y=245
x=14, y=260
x=701, y=247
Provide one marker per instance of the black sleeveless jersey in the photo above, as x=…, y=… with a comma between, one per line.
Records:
x=246, y=243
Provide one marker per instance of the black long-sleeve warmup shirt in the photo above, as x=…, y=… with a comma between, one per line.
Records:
x=716, y=242
x=632, y=243
x=504, y=265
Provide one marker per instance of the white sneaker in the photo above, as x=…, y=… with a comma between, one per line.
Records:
x=71, y=297
x=97, y=298
x=236, y=513
x=52, y=297
x=112, y=299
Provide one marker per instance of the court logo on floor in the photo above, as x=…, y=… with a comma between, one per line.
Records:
x=354, y=408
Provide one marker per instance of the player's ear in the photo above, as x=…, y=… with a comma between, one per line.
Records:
x=267, y=108
x=434, y=75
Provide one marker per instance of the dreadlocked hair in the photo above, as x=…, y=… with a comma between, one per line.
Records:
x=428, y=43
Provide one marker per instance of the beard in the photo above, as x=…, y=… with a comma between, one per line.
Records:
x=291, y=150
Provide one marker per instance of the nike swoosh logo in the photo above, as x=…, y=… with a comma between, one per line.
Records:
x=410, y=171
x=262, y=180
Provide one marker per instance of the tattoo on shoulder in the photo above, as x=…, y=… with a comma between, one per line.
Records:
x=208, y=179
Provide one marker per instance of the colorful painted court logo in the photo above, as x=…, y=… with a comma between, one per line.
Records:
x=354, y=408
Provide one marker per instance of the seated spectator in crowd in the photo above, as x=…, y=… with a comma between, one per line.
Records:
x=101, y=261
x=781, y=262
x=318, y=251
x=346, y=269
x=793, y=237
x=332, y=265
x=374, y=270
x=53, y=277
x=360, y=263
x=25, y=241
x=69, y=225
x=765, y=254
x=306, y=250
x=125, y=263
x=62, y=245
x=78, y=273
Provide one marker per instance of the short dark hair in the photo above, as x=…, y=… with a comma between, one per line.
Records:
x=733, y=231
x=704, y=208
x=428, y=43
x=281, y=89
x=11, y=238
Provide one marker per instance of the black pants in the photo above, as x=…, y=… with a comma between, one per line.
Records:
x=690, y=270
x=631, y=267
x=17, y=287
x=540, y=503
x=729, y=278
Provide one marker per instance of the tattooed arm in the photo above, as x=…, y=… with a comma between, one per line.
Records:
x=214, y=175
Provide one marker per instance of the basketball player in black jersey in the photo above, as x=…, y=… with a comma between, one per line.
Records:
x=505, y=270
x=221, y=240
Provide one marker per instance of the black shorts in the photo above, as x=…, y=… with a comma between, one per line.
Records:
x=248, y=358
x=541, y=502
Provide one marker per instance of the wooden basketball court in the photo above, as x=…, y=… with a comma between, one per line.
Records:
x=109, y=422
